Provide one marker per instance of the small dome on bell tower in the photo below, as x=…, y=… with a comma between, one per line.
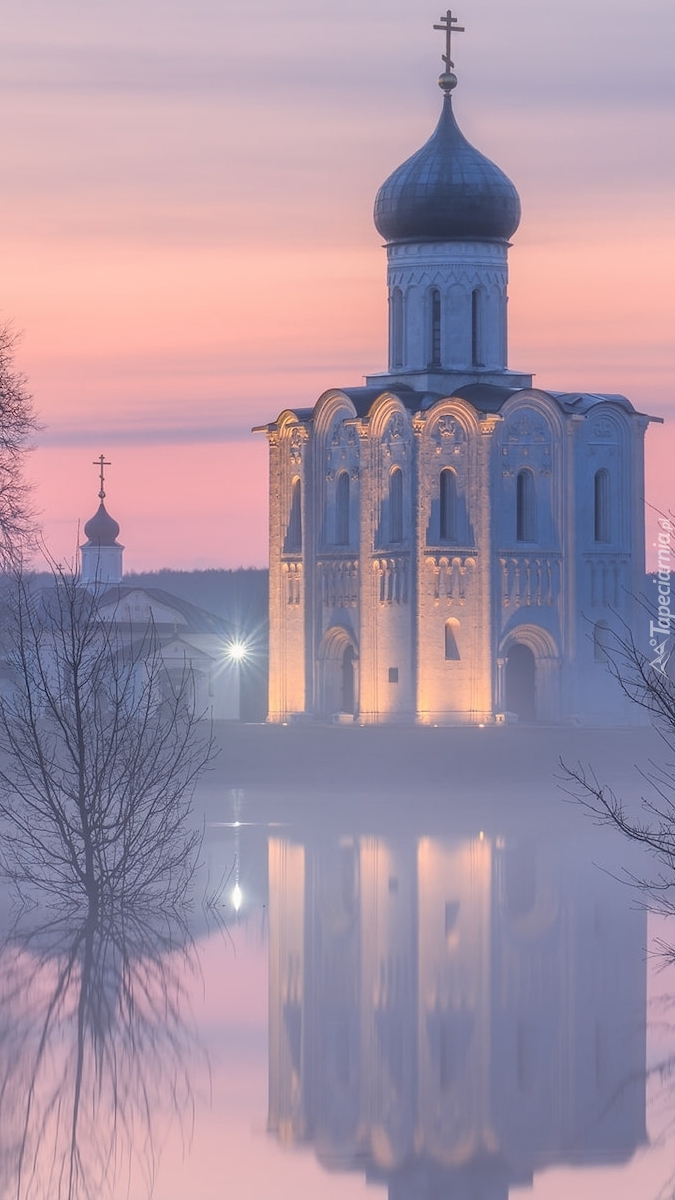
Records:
x=101, y=554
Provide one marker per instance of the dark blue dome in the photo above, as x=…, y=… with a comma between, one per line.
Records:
x=101, y=529
x=448, y=191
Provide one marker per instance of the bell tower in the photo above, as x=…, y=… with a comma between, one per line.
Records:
x=101, y=554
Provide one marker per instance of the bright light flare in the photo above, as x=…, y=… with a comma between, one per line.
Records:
x=237, y=897
x=237, y=651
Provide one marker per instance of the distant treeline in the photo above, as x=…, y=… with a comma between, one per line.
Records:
x=239, y=596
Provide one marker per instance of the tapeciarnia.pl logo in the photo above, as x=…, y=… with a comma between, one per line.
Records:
x=660, y=631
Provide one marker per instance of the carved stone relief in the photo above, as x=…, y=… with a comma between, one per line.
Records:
x=527, y=428
x=296, y=442
x=604, y=429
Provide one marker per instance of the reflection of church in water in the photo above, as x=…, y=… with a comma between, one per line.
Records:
x=448, y=1016
x=448, y=543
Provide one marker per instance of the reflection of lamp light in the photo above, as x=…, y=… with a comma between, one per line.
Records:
x=237, y=897
x=237, y=651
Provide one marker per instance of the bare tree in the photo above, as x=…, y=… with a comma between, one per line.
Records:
x=17, y=425
x=646, y=680
x=100, y=750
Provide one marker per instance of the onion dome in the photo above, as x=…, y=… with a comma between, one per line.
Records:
x=101, y=529
x=447, y=191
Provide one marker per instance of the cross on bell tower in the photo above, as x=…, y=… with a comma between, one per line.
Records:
x=101, y=463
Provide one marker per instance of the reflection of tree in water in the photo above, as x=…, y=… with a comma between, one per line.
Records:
x=92, y=1044
x=100, y=753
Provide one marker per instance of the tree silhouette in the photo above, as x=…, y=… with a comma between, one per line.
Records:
x=646, y=680
x=17, y=425
x=100, y=750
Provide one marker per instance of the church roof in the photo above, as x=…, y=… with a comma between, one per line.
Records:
x=484, y=397
x=168, y=610
x=490, y=397
x=447, y=191
x=102, y=529
x=364, y=397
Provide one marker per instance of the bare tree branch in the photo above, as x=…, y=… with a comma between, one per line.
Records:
x=100, y=750
x=18, y=423
x=649, y=822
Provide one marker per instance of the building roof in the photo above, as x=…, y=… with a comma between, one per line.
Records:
x=447, y=191
x=166, y=609
x=484, y=397
x=101, y=529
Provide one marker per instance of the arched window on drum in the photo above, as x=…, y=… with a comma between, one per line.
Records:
x=477, y=328
x=396, y=329
x=435, y=314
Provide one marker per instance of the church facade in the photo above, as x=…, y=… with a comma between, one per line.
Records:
x=448, y=543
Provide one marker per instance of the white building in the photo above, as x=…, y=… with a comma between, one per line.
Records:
x=190, y=638
x=449, y=544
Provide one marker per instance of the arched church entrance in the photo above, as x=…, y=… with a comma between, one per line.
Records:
x=337, y=674
x=521, y=682
x=528, y=675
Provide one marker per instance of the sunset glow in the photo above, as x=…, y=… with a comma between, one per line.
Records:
x=188, y=246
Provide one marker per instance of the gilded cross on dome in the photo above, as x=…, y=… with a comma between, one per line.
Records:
x=101, y=464
x=449, y=24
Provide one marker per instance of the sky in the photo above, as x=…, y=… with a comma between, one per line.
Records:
x=187, y=244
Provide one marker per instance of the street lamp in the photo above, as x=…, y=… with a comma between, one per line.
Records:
x=237, y=651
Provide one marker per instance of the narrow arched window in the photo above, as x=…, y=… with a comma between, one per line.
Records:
x=448, y=505
x=435, y=328
x=526, y=514
x=451, y=645
x=396, y=505
x=601, y=642
x=294, y=532
x=342, y=509
x=601, y=506
x=396, y=329
x=476, y=330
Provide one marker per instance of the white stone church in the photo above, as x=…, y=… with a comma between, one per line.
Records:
x=449, y=544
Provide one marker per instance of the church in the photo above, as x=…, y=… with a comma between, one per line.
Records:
x=193, y=643
x=448, y=543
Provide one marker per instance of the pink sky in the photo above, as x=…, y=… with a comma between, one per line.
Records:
x=187, y=240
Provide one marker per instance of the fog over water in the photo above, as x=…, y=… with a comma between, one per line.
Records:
x=379, y=990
